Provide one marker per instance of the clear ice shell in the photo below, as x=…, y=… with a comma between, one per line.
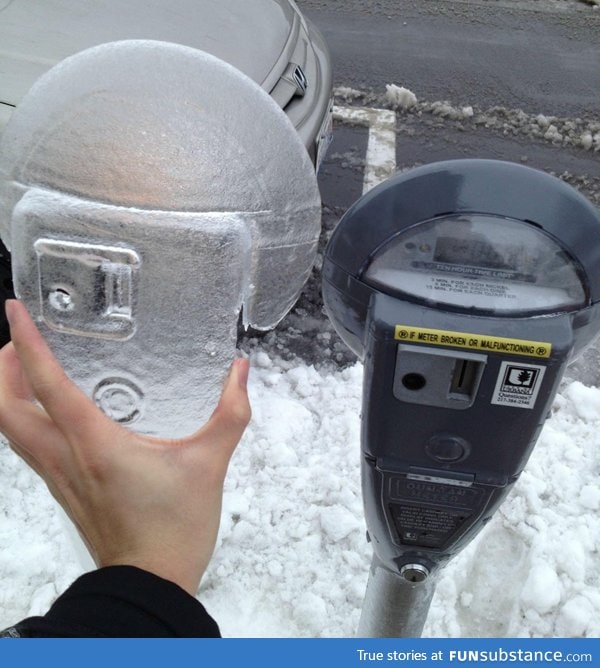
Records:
x=148, y=192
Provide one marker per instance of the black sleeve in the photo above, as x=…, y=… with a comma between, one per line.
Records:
x=120, y=602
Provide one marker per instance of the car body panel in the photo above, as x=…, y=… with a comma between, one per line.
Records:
x=36, y=34
x=310, y=119
x=268, y=40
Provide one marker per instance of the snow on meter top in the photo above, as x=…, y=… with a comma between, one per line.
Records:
x=466, y=287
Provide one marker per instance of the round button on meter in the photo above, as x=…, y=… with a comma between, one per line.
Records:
x=447, y=448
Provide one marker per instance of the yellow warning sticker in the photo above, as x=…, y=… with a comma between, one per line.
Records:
x=481, y=342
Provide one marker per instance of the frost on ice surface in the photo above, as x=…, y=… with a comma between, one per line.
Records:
x=292, y=558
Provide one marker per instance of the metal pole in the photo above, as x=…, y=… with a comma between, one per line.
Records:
x=396, y=605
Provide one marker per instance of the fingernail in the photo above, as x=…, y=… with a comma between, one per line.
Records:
x=10, y=310
x=242, y=368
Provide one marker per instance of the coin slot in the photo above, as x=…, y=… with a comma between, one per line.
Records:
x=465, y=378
x=437, y=377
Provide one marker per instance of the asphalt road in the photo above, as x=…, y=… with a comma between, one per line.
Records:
x=512, y=61
x=539, y=56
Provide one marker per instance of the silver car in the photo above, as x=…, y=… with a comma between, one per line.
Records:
x=269, y=40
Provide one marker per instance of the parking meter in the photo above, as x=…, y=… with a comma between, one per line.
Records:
x=149, y=192
x=466, y=287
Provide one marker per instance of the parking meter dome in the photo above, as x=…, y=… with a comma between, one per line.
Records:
x=422, y=220
x=148, y=192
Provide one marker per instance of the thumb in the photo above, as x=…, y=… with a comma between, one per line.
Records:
x=230, y=418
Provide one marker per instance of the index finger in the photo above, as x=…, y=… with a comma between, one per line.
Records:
x=64, y=402
x=13, y=381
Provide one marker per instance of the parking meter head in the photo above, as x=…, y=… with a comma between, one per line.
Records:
x=466, y=287
x=149, y=192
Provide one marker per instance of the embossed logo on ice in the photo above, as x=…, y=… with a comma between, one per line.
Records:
x=518, y=384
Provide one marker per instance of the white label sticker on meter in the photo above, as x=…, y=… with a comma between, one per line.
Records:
x=518, y=384
x=470, y=293
x=479, y=288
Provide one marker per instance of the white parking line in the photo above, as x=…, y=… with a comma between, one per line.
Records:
x=381, y=148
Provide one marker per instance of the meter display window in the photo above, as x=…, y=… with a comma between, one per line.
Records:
x=480, y=261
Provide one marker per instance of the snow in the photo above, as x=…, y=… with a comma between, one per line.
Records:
x=399, y=97
x=587, y=140
x=292, y=559
x=574, y=617
x=576, y=132
x=541, y=591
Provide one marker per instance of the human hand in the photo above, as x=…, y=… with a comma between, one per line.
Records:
x=136, y=500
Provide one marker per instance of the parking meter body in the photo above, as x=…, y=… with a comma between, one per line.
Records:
x=466, y=287
x=149, y=192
